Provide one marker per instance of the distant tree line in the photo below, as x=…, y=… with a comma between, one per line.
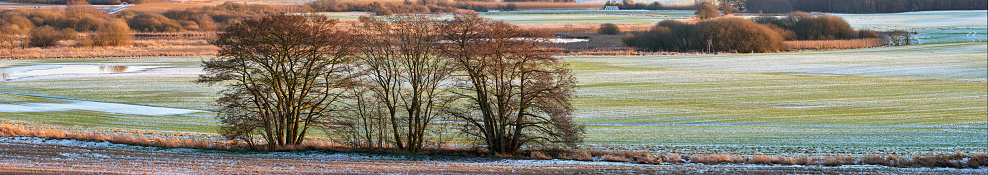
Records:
x=407, y=6
x=96, y=2
x=632, y=5
x=45, y=27
x=400, y=82
x=803, y=26
x=762, y=34
x=862, y=6
x=79, y=16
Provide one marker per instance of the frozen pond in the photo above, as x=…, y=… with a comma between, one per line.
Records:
x=16, y=72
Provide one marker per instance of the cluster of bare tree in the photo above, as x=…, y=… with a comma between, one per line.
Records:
x=404, y=82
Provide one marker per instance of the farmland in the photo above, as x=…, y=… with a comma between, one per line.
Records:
x=929, y=97
x=904, y=100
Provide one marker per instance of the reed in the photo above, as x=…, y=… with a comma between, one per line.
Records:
x=834, y=44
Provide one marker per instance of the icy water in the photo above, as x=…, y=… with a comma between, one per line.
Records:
x=115, y=108
x=11, y=73
x=54, y=104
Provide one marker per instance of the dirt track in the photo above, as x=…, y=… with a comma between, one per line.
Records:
x=17, y=157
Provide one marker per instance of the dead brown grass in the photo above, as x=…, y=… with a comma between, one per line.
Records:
x=834, y=44
x=143, y=45
x=537, y=155
x=9, y=130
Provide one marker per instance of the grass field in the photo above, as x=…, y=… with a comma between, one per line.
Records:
x=926, y=96
x=910, y=98
x=932, y=26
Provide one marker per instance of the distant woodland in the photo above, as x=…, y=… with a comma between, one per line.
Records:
x=95, y=2
x=862, y=6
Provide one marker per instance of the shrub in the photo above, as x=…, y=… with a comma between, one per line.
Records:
x=706, y=10
x=153, y=22
x=45, y=36
x=115, y=33
x=608, y=29
x=68, y=33
x=18, y=25
x=865, y=33
x=725, y=34
x=813, y=27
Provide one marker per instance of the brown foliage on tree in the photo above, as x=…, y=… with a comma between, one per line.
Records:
x=727, y=8
x=285, y=73
x=518, y=93
x=722, y=34
x=706, y=10
x=45, y=36
x=608, y=29
x=115, y=33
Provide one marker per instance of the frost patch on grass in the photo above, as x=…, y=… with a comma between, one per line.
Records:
x=95, y=106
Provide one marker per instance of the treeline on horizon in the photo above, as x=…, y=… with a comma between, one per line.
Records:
x=632, y=5
x=407, y=6
x=80, y=18
x=862, y=6
x=95, y=2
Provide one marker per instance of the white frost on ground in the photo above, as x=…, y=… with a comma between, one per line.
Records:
x=95, y=106
x=17, y=72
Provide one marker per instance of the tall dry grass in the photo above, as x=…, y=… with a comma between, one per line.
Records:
x=834, y=44
x=143, y=45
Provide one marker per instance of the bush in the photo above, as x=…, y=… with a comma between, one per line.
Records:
x=608, y=29
x=113, y=34
x=44, y=37
x=68, y=33
x=153, y=22
x=814, y=27
x=706, y=10
x=724, y=34
x=865, y=33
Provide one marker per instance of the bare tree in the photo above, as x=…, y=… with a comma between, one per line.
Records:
x=518, y=93
x=407, y=74
x=284, y=72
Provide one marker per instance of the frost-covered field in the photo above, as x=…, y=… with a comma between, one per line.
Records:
x=889, y=100
x=911, y=98
x=924, y=98
x=32, y=155
x=931, y=26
